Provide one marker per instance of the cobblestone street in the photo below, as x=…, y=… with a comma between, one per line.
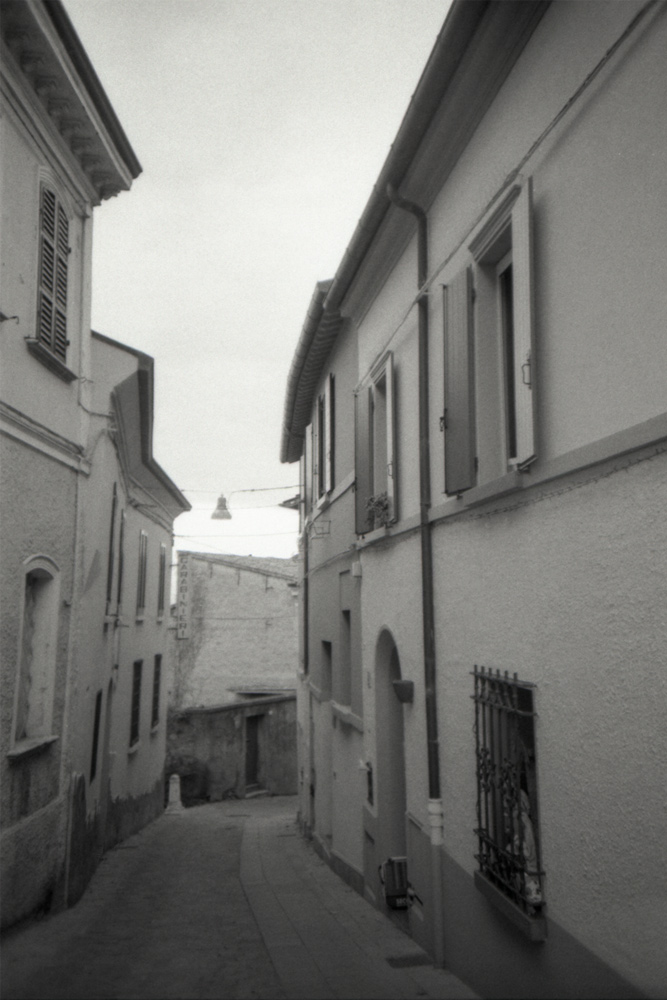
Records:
x=224, y=900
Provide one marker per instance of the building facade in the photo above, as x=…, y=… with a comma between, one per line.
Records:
x=477, y=401
x=75, y=460
x=232, y=722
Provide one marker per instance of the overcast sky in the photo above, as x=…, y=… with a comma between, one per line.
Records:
x=261, y=127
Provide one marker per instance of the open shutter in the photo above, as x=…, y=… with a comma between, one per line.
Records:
x=459, y=385
x=330, y=433
x=524, y=354
x=392, y=472
x=362, y=464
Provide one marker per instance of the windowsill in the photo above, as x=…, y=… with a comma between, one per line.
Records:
x=318, y=693
x=139, y=617
x=133, y=749
x=49, y=360
x=29, y=747
x=534, y=928
x=160, y=619
x=345, y=714
x=155, y=729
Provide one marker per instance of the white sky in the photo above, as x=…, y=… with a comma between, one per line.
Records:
x=261, y=127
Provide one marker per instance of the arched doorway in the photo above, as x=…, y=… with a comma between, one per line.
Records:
x=386, y=837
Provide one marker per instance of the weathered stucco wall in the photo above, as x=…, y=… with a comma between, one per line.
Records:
x=207, y=748
x=571, y=592
x=38, y=502
x=243, y=632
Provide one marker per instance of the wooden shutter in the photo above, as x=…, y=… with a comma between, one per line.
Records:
x=392, y=473
x=112, y=530
x=308, y=469
x=459, y=385
x=53, y=275
x=162, y=570
x=362, y=459
x=524, y=355
x=330, y=433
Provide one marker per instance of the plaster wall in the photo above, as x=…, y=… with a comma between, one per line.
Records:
x=598, y=192
x=32, y=388
x=243, y=634
x=39, y=508
x=570, y=592
x=348, y=794
x=135, y=770
x=206, y=747
x=391, y=600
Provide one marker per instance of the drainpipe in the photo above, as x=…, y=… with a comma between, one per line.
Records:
x=435, y=810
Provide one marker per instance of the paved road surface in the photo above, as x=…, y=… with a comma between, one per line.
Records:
x=220, y=901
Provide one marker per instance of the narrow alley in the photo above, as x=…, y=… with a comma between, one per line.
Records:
x=222, y=900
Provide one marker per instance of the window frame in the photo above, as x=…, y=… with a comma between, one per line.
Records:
x=50, y=341
x=155, y=702
x=142, y=572
x=325, y=438
x=135, y=703
x=162, y=581
x=483, y=398
x=376, y=498
x=32, y=717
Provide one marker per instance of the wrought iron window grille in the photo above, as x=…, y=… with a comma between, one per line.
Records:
x=507, y=829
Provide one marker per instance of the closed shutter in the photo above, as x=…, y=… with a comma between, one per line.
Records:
x=362, y=459
x=524, y=353
x=53, y=276
x=392, y=472
x=330, y=432
x=459, y=385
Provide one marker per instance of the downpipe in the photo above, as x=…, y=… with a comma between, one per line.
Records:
x=435, y=807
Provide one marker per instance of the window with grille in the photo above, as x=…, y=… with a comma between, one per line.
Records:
x=53, y=264
x=141, y=576
x=507, y=818
x=155, y=708
x=136, y=702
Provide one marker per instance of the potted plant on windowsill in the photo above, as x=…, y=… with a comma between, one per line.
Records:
x=378, y=513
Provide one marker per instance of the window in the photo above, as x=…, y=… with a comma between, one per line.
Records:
x=507, y=830
x=155, y=708
x=141, y=577
x=37, y=651
x=375, y=458
x=325, y=431
x=96, y=735
x=325, y=677
x=136, y=702
x=121, y=554
x=162, y=576
x=53, y=262
x=110, y=561
x=489, y=414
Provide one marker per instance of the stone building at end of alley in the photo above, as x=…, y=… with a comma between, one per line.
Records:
x=87, y=512
x=477, y=402
x=232, y=701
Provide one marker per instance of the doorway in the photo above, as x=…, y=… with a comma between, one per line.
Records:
x=252, y=724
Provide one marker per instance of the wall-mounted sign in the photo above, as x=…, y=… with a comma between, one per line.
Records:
x=183, y=597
